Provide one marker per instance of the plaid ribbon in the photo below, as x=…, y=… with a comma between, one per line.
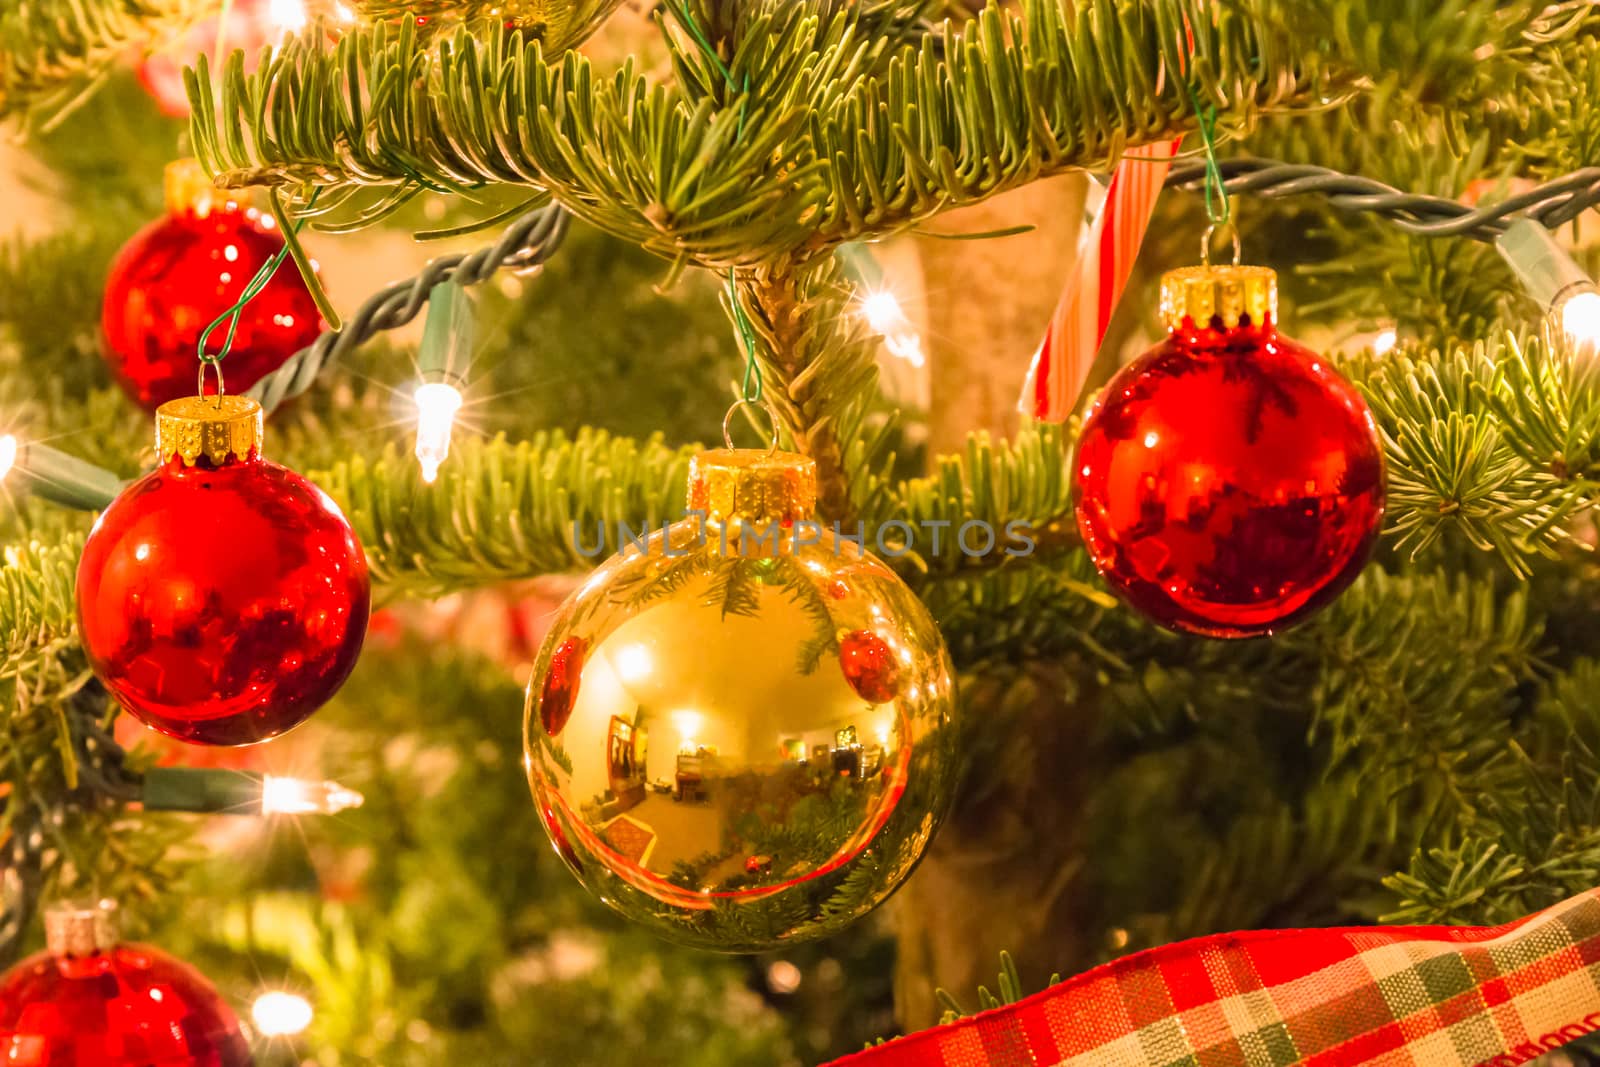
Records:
x=1095, y=284
x=1392, y=997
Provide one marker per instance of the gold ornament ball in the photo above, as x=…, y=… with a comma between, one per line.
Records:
x=557, y=24
x=742, y=732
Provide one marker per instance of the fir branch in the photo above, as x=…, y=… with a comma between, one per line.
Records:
x=37, y=605
x=1021, y=490
x=819, y=366
x=818, y=151
x=735, y=589
x=557, y=27
x=52, y=51
x=1536, y=843
x=501, y=510
x=1452, y=467
x=1429, y=732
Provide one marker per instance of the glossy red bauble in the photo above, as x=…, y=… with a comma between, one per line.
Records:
x=561, y=684
x=250, y=26
x=127, y=1006
x=870, y=666
x=222, y=603
x=177, y=275
x=1229, y=481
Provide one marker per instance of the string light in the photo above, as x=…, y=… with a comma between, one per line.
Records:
x=446, y=346
x=1385, y=341
x=1554, y=279
x=287, y=15
x=783, y=977
x=882, y=310
x=54, y=475
x=437, y=404
x=1580, y=316
x=207, y=790
x=279, y=1014
x=296, y=796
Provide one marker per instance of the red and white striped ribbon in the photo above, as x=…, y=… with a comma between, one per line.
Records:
x=1095, y=285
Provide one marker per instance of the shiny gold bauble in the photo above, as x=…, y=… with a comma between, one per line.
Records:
x=557, y=25
x=741, y=732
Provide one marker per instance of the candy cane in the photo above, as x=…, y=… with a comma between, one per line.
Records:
x=1083, y=314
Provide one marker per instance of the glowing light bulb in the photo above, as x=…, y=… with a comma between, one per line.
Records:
x=8, y=455
x=783, y=977
x=884, y=314
x=287, y=15
x=296, y=796
x=280, y=1014
x=882, y=310
x=437, y=404
x=688, y=723
x=1580, y=316
x=1387, y=338
x=634, y=663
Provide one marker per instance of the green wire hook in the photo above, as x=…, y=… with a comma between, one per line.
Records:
x=751, y=389
x=251, y=290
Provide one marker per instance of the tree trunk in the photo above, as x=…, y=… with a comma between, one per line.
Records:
x=989, y=301
x=1002, y=873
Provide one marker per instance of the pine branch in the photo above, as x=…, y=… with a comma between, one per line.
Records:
x=1453, y=467
x=50, y=50
x=818, y=151
x=1429, y=733
x=557, y=27
x=1019, y=490
x=37, y=606
x=819, y=366
x=501, y=510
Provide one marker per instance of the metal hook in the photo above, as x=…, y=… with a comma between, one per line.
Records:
x=727, y=422
x=1205, y=241
x=200, y=384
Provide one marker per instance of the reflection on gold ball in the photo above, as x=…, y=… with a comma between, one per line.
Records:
x=557, y=24
x=742, y=744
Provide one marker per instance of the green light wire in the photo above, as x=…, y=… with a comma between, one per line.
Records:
x=251, y=291
x=1219, y=209
x=751, y=389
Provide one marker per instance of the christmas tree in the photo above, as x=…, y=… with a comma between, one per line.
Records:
x=431, y=308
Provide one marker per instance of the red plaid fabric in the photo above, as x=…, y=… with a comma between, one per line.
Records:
x=1393, y=997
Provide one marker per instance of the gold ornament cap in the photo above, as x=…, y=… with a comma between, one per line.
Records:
x=81, y=929
x=1231, y=293
x=189, y=190
x=216, y=427
x=752, y=485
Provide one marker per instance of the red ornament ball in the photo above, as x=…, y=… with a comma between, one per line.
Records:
x=118, y=1006
x=1229, y=481
x=178, y=274
x=560, y=690
x=222, y=599
x=869, y=666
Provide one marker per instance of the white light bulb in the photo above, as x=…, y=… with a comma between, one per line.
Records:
x=437, y=404
x=783, y=977
x=634, y=663
x=281, y=1014
x=1387, y=338
x=287, y=15
x=882, y=310
x=1580, y=316
x=884, y=314
x=8, y=454
x=296, y=796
